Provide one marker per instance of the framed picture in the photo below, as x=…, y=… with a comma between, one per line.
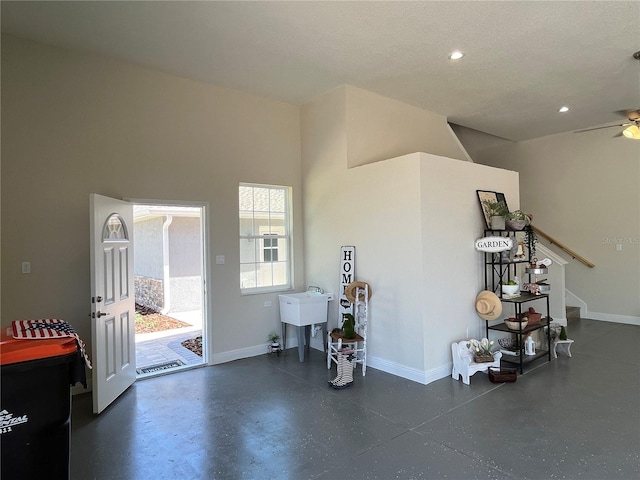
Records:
x=489, y=196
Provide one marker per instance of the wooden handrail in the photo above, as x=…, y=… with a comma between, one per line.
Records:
x=562, y=247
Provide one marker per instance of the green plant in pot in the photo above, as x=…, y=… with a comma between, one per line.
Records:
x=518, y=220
x=348, y=326
x=497, y=211
x=274, y=339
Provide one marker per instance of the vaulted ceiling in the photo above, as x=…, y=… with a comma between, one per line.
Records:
x=523, y=60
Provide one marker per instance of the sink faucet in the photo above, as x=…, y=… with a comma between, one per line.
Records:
x=317, y=289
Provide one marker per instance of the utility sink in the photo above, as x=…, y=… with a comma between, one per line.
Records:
x=306, y=308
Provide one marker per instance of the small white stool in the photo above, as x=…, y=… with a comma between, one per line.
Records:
x=566, y=346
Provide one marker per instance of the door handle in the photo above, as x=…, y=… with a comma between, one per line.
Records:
x=99, y=314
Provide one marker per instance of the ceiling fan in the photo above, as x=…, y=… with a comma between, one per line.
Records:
x=633, y=125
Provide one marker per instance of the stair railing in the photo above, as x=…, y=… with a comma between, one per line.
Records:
x=563, y=247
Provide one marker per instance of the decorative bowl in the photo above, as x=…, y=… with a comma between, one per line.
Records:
x=508, y=343
x=515, y=325
x=510, y=289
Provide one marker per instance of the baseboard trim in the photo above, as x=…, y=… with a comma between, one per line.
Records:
x=413, y=374
x=421, y=376
x=610, y=317
x=238, y=354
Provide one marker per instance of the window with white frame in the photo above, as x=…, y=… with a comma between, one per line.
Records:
x=265, y=238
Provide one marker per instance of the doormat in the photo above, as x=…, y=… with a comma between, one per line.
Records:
x=160, y=366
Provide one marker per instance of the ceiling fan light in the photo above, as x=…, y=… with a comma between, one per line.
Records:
x=632, y=132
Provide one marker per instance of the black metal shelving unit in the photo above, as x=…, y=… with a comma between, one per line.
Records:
x=521, y=359
x=498, y=269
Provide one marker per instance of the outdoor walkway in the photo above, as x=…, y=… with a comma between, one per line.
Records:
x=158, y=348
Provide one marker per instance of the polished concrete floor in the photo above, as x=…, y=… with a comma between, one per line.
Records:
x=272, y=417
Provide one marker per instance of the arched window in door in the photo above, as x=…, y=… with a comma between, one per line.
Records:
x=115, y=230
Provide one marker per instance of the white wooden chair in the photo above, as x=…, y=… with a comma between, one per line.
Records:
x=464, y=363
x=336, y=341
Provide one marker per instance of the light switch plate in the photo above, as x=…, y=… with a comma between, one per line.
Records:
x=219, y=259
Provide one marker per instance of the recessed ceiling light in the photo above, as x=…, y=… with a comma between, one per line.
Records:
x=563, y=109
x=457, y=55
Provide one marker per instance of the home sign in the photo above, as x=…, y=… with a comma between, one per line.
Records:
x=494, y=244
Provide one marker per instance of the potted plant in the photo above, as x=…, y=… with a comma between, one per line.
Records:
x=348, y=326
x=481, y=350
x=497, y=211
x=274, y=343
x=510, y=287
x=518, y=220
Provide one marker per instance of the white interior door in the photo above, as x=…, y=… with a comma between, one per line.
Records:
x=113, y=299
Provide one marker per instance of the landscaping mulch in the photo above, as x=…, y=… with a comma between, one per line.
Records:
x=194, y=344
x=149, y=320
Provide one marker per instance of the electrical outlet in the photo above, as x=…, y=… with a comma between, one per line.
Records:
x=219, y=259
x=619, y=247
x=267, y=303
x=26, y=267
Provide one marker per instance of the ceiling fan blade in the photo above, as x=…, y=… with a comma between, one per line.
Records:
x=630, y=114
x=634, y=115
x=599, y=128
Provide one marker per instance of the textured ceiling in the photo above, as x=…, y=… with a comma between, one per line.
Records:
x=523, y=59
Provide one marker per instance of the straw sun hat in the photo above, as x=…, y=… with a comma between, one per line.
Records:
x=350, y=290
x=488, y=305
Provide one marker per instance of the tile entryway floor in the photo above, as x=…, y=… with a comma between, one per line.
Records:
x=161, y=347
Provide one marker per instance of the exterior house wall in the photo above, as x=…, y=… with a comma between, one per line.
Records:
x=183, y=292
x=148, y=263
x=185, y=264
x=148, y=248
x=185, y=247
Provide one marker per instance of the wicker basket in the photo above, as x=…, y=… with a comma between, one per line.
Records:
x=502, y=375
x=483, y=358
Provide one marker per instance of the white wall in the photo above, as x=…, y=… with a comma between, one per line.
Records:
x=379, y=128
x=454, y=270
x=74, y=123
x=583, y=190
x=413, y=221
